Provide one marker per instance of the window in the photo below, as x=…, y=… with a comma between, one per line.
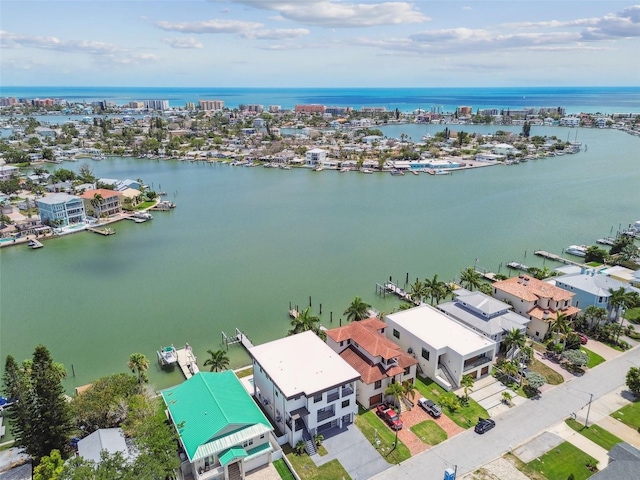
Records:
x=425, y=354
x=396, y=333
x=345, y=403
x=342, y=343
x=407, y=370
x=247, y=443
x=317, y=398
x=378, y=384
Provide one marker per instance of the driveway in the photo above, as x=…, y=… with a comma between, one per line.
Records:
x=488, y=393
x=354, y=452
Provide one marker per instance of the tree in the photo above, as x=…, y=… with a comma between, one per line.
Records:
x=535, y=380
x=595, y=254
x=50, y=468
x=96, y=203
x=306, y=321
x=514, y=338
x=409, y=390
x=300, y=447
x=526, y=129
x=594, y=316
x=577, y=358
x=560, y=325
x=633, y=380
x=417, y=292
x=358, y=310
x=395, y=390
x=86, y=174
x=434, y=288
x=469, y=278
x=506, y=397
x=217, y=360
x=617, y=301
x=41, y=419
x=467, y=382
x=139, y=363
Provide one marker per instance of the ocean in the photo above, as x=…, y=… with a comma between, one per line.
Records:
x=605, y=100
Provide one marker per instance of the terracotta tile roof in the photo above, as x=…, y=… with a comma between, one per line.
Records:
x=369, y=373
x=537, y=312
x=532, y=290
x=102, y=191
x=365, y=334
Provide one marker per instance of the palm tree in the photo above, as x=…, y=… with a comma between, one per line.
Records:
x=594, y=316
x=617, y=301
x=514, y=338
x=510, y=370
x=469, y=278
x=396, y=391
x=139, y=364
x=218, y=360
x=506, y=397
x=417, y=292
x=433, y=288
x=561, y=325
x=467, y=382
x=96, y=203
x=358, y=310
x=409, y=390
x=305, y=321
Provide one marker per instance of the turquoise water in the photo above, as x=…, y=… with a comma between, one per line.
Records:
x=244, y=242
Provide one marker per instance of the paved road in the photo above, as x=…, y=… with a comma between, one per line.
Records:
x=469, y=450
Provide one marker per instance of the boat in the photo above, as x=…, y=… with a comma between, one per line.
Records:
x=577, y=250
x=442, y=172
x=167, y=356
x=396, y=172
x=318, y=168
x=366, y=170
x=634, y=230
x=143, y=216
x=35, y=244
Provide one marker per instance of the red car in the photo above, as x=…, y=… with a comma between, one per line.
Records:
x=583, y=338
x=389, y=416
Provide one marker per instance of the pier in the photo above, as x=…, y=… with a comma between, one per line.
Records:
x=390, y=287
x=187, y=361
x=101, y=231
x=239, y=337
x=556, y=258
x=606, y=241
x=486, y=274
x=518, y=266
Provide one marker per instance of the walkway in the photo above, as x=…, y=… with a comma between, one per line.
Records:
x=605, y=351
x=581, y=442
x=488, y=393
x=417, y=415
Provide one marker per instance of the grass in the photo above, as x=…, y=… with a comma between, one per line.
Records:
x=465, y=417
x=594, y=264
x=245, y=372
x=147, y=204
x=594, y=358
x=595, y=433
x=560, y=462
x=629, y=415
x=553, y=377
x=633, y=315
x=372, y=427
x=307, y=469
x=283, y=470
x=429, y=432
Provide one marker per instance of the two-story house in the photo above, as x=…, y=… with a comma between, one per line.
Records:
x=445, y=349
x=304, y=386
x=536, y=300
x=378, y=360
x=102, y=202
x=484, y=314
x=223, y=433
x=315, y=157
x=61, y=210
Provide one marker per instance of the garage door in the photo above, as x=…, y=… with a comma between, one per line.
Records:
x=376, y=399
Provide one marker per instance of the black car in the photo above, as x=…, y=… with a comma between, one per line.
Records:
x=484, y=425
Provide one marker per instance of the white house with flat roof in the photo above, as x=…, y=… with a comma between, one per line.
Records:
x=304, y=386
x=315, y=157
x=445, y=349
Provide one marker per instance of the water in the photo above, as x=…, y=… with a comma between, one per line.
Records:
x=244, y=242
x=574, y=99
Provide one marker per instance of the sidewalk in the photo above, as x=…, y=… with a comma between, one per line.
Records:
x=582, y=443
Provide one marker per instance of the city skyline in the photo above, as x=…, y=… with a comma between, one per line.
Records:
x=319, y=43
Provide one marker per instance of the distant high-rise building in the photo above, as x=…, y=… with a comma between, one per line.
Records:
x=255, y=108
x=464, y=111
x=309, y=108
x=274, y=108
x=156, y=104
x=211, y=104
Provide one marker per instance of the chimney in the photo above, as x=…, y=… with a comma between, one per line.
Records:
x=526, y=281
x=545, y=314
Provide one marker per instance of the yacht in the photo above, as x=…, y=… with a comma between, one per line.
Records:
x=167, y=356
x=577, y=250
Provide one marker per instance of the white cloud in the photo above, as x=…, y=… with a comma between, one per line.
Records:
x=341, y=14
x=209, y=26
x=277, y=34
x=186, y=43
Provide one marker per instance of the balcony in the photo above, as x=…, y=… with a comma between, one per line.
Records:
x=347, y=390
x=475, y=363
x=325, y=414
x=333, y=396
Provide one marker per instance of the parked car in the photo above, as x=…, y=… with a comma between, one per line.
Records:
x=484, y=425
x=431, y=408
x=583, y=338
x=389, y=416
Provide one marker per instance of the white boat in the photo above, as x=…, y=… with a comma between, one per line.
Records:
x=35, y=244
x=396, y=172
x=634, y=230
x=366, y=170
x=167, y=356
x=318, y=169
x=143, y=215
x=442, y=172
x=577, y=250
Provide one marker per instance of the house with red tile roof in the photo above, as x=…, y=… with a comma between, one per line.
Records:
x=102, y=202
x=536, y=300
x=378, y=360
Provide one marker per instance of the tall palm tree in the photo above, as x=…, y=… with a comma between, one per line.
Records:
x=96, y=203
x=139, y=363
x=514, y=338
x=594, y=316
x=305, y=321
x=396, y=391
x=467, y=382
x=561, y=325
x=433, y=288
x=409, y=390
x=217, y=360
x=358, y=310
x=469, y=278
x=417, y=291
x=617, y=301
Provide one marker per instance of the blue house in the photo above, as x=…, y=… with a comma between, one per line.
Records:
x=62, y=209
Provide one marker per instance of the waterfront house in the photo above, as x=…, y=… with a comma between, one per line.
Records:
x=315, y=157
x=61, y=209
x=484, y=314
x=110, y=440
x=536, y=300
x=102, y=202
x=591, y=288
x=223, y=434
x=304, y=386
x=7, y=172
x=445, y=349
x=378, y=360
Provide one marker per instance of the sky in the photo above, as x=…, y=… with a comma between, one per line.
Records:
x=319, y=43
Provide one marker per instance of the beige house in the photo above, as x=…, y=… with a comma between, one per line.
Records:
x=536, y=300
x=102, y=202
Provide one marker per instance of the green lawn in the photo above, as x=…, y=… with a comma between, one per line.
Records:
x=307, y=470
x=429, y=432
x=147, y=204
x=629, y=415
x=283, y=470
x=464, y=416
x=245, y=372
x=560, y=462
x=594, y=358
x=553, y=377
x=372, y=427
x=633, y=315
x=595, y=433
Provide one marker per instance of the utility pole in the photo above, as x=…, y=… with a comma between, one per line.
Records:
x=586, y=421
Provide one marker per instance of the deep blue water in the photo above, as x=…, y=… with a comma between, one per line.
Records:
x=574, y=99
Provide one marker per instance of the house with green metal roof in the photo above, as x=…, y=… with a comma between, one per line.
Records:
x=223, y=433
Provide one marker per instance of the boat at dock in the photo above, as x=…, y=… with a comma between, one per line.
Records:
x=396, y=172
x=442, y=172
x=35, y=244
x=518, y=266
x=606, y=241
x=366, y=170
x=140, y=217
x=163, y=206
x=167, y=356
x=577, y=250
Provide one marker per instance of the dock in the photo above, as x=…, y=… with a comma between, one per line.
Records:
x=390, y=287
x=101, y=231
x=486, y=274
x=518, y=266
x=606, y=241
x=556, y=258
x=239, y=337
x=293, y=313
x=187, y=362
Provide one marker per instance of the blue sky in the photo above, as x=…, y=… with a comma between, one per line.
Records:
x=319, y=43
